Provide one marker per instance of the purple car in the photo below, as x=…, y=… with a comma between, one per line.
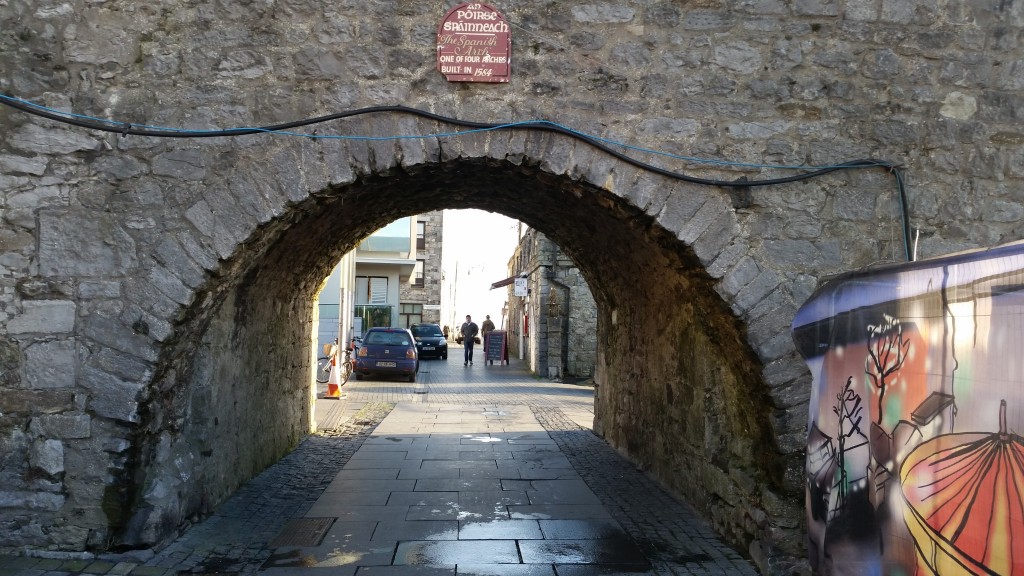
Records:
x=387, y=352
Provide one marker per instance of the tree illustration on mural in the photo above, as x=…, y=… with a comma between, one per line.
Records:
x=848, y=418
x=887, y=351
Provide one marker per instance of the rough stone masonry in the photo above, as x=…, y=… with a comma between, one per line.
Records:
x=156, y=292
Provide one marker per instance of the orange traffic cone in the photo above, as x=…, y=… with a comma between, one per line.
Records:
x=334, y=380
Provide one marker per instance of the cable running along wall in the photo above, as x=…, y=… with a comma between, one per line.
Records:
x=605, y=145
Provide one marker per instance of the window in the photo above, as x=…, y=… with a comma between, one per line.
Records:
x=421, y=235
x=410, y=314
x=393, y=238
x=427, y=330
x=372, y=290
x=417, y=273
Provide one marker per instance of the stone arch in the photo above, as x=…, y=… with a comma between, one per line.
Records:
x=126, y=258
x=234, y=277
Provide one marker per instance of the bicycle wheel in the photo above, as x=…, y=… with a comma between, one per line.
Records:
x=346, y=370
x=323, y=369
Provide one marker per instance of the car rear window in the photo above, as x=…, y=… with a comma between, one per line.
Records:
x=388, y=339
x=426, y=331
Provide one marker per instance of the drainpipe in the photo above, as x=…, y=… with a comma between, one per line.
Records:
x=564, y=329
x=346, y=300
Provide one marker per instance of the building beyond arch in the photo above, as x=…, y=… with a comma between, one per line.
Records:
x=562, y=343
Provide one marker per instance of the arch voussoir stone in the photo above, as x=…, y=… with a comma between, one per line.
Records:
x=385, y=153
x=412, y=148
x=231, y=223
x=601, y=172
x=763, y=334
x=335, y=155
x=202, y=254
x=367, y=156
x=509, y=146
x=756, y=290
x=470, y=145
x=738, y=276
x=682, y=204
x=721, y=232
x=727, y=258
x=287, y=173
x=251, y=200
x=118, y=335
x=168, y=282
x=536, y=142
x=207, y=223
x=715, y=206
x=558, y=155
x=621, y=177
x=144, y=293
x=315, y=173
x=650, y=193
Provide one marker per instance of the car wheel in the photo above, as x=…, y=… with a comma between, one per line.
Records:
x=444, y=356
x=412, y=377
x=359, y=376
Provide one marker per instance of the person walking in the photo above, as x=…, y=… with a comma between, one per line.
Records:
x=485, y=327
x=469, y=331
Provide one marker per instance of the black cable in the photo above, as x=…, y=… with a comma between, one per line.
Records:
x=127, y=128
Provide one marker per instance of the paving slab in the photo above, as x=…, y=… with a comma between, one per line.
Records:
x=612, y=551
x=459, y=484
x=453, y=553
x=506, y=570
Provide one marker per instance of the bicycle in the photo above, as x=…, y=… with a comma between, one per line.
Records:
x=324, y=365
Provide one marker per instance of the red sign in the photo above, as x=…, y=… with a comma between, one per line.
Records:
x=474, y=44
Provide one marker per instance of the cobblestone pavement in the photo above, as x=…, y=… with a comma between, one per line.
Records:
x=244, y=536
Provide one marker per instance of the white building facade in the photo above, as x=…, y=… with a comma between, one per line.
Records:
x=393, y=278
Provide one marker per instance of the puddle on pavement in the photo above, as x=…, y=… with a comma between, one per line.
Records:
x=472, y=438
x=500, y=530
x=608, y=551
x=451, y=553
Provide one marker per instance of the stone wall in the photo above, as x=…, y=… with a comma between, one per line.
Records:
x=429, y=293
x=561, y=306
x=141, y=275
x=576, y=304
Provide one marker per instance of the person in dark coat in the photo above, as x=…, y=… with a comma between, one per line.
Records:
x=469, y=331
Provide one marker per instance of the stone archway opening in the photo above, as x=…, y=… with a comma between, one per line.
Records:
x=679, y=390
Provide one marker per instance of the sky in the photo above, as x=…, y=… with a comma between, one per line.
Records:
x=475, y=249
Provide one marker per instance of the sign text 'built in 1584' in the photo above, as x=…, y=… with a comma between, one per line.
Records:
x=474, y=44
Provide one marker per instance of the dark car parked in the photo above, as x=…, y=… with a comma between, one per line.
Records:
x=430, y=341
x=387, y=351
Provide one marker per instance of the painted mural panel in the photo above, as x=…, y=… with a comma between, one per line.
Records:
x=915, y=463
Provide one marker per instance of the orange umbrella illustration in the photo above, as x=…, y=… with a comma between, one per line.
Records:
x=964, y=496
